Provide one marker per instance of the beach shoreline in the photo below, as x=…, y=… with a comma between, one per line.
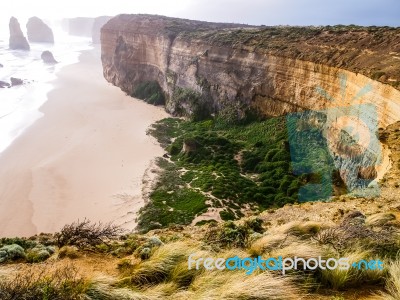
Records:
x=85, y=158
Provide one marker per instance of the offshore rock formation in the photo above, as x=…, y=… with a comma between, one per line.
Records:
x=16, y=81
x=38, y=31
x=97, y=25
x=17, y=38
x=233, y=70
x=4, y=84
x=48, y=57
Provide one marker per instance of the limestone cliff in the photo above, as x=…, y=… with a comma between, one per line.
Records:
x=17, y=38
x=276, y=69
x=229, y=69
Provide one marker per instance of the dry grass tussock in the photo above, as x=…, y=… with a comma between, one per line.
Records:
x=111, y=272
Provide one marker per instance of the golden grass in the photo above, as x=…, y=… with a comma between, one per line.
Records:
x=236, y=285
x=161, y=265
x=392, y=283
x=267, y=243
x=380, y=219
x=339, y=279
x=300, y=249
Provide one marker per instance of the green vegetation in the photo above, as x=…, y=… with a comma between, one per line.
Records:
x=151, y=92
x=222, y=165
x=171, y=202
x=189, y=103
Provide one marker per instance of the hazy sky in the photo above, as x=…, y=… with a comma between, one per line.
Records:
x=268, y=12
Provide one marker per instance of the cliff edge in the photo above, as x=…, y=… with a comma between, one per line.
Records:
x=231, y=66
x=200, y=69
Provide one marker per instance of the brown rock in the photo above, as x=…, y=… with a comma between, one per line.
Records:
x=17, y=38
x=16, y=81
x=38, y=31
x=4, y=84
x=48, y=57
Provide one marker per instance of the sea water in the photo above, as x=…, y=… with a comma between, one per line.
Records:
x=19, y=105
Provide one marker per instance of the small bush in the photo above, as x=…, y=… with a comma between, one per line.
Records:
x=69, y=252
x=84, y=234
x=228, y=235
x=39, y=253
x=11, y=252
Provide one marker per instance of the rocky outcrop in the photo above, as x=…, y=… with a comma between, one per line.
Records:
x=48, y=58
x=4, y=84
x=208, y=68
x=97, y=25
x=38, y=31
x=17, y=38
x=16, y=81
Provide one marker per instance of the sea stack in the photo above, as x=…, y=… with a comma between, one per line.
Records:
x=48, y=58
x=38, y=31
x=17, y=38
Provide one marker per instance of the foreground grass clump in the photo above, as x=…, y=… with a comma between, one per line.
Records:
x=213, y=164
x=155, y=265
x=44, y=283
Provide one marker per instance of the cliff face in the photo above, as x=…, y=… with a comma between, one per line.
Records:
x=223, y=69
x=243, y=67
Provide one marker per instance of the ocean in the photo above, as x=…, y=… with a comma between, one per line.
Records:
x=19, y=105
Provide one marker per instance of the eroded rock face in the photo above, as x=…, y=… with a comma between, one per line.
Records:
x=38, y=31
x=17, y=38
x=232, y=72
x=272, y=70
x=48, y=57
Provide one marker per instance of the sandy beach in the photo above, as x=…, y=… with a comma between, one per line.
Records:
x=84, y=158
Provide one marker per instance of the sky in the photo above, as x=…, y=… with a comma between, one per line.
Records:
x=255, y=12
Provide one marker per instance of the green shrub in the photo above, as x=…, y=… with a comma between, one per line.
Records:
x=150, y=92
x=39, y=253
x=11, y=252
x=69, y=252
x=228, y=235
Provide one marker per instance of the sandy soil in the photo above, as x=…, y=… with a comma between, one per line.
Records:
x=84, y=158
